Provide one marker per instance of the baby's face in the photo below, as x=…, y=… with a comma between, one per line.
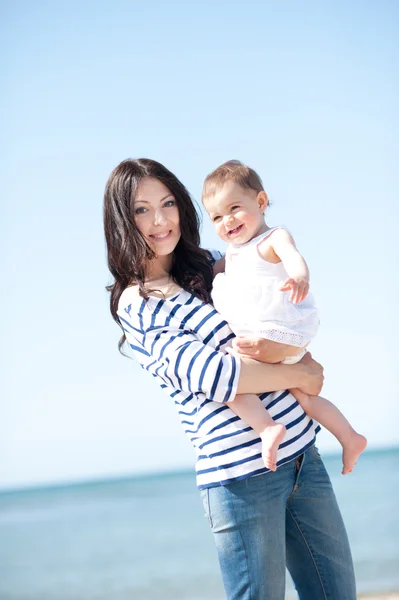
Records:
x=237, y=213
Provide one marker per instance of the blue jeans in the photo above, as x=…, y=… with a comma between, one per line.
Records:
x=290, y=517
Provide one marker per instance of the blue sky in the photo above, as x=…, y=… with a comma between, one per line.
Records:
x=306, y=93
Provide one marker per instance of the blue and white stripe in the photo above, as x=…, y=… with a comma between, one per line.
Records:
x=182, y=342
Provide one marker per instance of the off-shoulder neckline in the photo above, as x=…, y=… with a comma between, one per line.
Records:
x=170, y=298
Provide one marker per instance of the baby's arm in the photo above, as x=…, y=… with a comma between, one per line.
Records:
x=282, y=244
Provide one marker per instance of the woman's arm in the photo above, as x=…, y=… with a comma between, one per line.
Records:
x=184, y=362
x=266, y=351
x=256, y=377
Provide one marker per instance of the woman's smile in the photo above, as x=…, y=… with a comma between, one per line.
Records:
x=161, y=235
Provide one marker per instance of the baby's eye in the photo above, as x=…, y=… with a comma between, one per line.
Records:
x=216, y=219
x=140, y=210
x=169, y=203
x=235, y=207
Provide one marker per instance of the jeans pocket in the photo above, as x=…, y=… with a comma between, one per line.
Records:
x=315, y=452
x=205, y=501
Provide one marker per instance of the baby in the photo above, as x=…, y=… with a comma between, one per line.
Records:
x=264, y=292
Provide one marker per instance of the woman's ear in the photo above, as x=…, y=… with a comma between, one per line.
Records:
x=262, y=201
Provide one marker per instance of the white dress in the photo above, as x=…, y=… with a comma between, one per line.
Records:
x=248, y=297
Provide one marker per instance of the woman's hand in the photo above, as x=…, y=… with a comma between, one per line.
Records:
x=313, y=376
x=262, y=349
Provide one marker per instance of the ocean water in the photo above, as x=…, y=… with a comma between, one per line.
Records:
x=146, y=538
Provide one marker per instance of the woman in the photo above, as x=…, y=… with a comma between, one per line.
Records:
x=261, y=520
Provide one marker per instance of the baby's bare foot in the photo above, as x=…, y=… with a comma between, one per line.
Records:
x=271, y=439
x=352, y=449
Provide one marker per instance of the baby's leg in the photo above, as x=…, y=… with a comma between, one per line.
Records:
x=330, y=417
x=250, y=409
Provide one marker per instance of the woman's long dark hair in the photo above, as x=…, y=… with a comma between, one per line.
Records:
x=127, y=249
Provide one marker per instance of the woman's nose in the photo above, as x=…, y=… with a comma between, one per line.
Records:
x=159, y=217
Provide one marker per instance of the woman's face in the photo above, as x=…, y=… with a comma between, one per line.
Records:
x=156, y=216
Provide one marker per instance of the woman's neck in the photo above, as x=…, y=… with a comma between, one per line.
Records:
x=158, y=278
x=158, y=268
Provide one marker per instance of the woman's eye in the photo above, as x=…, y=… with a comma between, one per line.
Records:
x=170, y=203
x=140, y=210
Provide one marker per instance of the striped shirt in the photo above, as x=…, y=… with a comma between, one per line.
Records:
x=182, y=341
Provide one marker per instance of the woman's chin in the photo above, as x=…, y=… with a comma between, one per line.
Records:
x=163, y=250
x=164, y=247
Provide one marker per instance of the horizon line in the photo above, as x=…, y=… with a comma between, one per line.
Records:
x=145, y=474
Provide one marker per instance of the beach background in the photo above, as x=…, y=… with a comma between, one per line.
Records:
x=97, y=490
x=146, y=538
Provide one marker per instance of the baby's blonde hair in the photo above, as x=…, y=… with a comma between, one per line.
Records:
x=232, y=170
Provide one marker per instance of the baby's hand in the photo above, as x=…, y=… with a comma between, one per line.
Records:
x=299, y=289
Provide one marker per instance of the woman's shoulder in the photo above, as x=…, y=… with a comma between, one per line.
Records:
x=129, y=296
x=214, y=255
